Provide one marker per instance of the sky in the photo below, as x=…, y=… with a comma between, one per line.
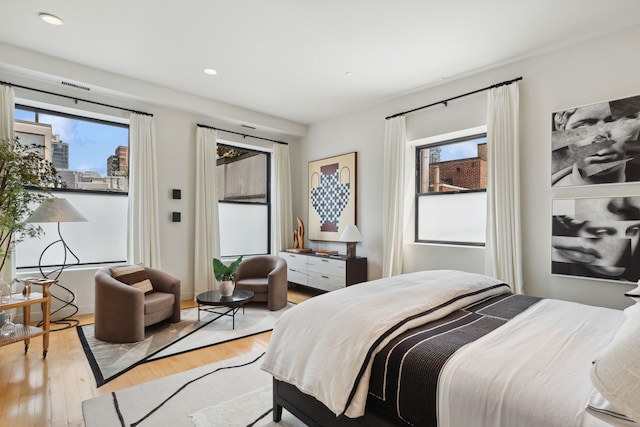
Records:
x=462, y=150
x=90, y=144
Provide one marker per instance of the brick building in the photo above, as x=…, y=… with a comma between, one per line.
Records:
x=462, y=174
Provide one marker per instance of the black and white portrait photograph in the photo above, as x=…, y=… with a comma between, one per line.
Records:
x=596, y=143
x=596, y=238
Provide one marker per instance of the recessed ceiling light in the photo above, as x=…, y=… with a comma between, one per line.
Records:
x=210, y=71
x=51, y=19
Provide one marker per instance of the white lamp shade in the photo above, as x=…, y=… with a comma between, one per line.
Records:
x=56, y=210
x=351, y=234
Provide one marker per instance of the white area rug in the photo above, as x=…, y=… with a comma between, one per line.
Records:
x=226, y=393
x=109, y=360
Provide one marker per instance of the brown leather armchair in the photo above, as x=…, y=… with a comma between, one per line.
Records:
x=122, y=311
x=266, y=276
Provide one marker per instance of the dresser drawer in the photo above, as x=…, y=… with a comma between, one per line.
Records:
x=295, y=261
x=297, y=276
x=325, y=281
x=327, y=266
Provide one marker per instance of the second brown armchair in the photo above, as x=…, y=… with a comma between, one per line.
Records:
x=266, y=276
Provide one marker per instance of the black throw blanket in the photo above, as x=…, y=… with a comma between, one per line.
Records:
x=404, y=377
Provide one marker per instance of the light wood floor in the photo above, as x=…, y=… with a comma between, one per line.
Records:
x=49, y=392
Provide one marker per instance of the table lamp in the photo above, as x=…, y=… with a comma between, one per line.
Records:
x=351, y=235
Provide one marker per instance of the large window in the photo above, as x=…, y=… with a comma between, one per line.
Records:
x=243, y=178
x=451, y=182
x=91, y=157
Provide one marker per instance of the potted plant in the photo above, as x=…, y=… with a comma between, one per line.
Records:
x=224, y=274
x=26, y=180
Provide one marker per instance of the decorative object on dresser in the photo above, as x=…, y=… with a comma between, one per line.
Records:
x=325, y=272
x=332, y=196
x=59, y=210
x=298, y=239
x=351, y=235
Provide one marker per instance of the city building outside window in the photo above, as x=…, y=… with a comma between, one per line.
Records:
x=451, y=182
x=244, y=200
x=91, y=157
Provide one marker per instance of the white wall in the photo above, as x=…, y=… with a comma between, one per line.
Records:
x=176, y=117
x=598, y=70
x=594, y=71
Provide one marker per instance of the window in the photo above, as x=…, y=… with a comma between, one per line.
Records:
x=244, y=201
x=451, y=182
x=91, y=157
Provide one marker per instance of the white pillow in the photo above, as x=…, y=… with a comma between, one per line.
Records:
x=601, y=408
x=616, y=373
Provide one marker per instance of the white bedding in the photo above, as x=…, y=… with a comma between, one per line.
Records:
x=532, y=371
x=320, y=346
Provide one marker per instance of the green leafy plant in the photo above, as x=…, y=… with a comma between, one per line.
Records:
x=26, y=180
x=225, y=272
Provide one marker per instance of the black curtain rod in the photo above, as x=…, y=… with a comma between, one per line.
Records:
x=507, y=82
x=244, y=135
x=76, y=99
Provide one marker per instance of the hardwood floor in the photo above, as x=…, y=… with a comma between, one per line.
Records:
x=49, y=392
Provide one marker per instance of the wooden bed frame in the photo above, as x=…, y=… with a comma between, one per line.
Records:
x=313, y=413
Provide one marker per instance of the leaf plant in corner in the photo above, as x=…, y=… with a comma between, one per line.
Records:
x=26, y=179
x=225, y=272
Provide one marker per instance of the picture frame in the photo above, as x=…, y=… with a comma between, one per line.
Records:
x=596, y=143
x=596, y=238
x=332, y=196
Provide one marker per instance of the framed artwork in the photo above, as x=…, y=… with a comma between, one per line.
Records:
x=596, y=143
x=332, y=196
x=596, y=238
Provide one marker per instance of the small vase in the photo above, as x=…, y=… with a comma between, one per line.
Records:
x=5, y=291
x=8, y=328
x=226, y=288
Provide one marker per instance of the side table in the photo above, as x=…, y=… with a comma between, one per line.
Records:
x=25, y=332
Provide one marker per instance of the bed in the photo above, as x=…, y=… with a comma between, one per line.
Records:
x=445, y=348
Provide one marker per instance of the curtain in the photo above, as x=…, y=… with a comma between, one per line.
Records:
x=6, y=132
x=207, y=238
x=283, y=216
x=143, y=238
x=393, y=196
x=503, y=258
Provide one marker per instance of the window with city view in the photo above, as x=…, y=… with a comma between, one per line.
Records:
x=243, y=178
x=89, y=154
x=91, y=157
x=451, y=190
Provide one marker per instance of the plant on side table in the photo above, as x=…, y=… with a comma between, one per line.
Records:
x=224, y=274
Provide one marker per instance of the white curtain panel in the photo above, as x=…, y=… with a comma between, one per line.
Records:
x=503, y=259
x=207, y=238
x=143, y=235
x=6, y=132
x=393, y=197
x=282, y=205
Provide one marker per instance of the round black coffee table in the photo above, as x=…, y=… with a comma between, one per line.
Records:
x=207, y=301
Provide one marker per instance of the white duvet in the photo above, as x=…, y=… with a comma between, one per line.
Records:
x=532, y=371
x=320, y=345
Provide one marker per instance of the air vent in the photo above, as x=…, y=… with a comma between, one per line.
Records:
x=75, y=86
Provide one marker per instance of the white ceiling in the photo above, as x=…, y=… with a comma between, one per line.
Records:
x=288, y=58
